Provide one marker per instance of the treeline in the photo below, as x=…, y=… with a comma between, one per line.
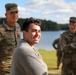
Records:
x=47, y=25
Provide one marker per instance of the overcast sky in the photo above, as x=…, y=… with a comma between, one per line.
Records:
x=55, y=10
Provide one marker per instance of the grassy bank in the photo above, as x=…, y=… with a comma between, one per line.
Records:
x=50, y=59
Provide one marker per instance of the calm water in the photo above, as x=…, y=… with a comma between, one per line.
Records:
x=46, y=39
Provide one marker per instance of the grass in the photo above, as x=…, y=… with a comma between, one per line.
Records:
x=50, y=59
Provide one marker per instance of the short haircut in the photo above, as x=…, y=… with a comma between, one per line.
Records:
x=28, y=21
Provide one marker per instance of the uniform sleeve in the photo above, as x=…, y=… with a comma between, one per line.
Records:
x=18, y=29
x=64, y=45
x=2, y=31
x=54, y=44
x=1, y=37
x=62, y=42
x=18, y=32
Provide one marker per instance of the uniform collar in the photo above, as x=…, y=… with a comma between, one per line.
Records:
x=7, y=26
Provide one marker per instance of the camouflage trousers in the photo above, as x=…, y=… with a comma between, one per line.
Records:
x=5, y=62
x=69, y=64
x=5, y=66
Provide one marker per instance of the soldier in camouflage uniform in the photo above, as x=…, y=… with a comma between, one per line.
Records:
x=9, y=36
x=68, y=46
x=56, y=45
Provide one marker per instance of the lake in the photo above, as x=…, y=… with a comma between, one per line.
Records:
x=47, y=39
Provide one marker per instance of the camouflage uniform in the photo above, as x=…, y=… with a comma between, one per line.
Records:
x=8, y=41
x=56, y=45
x=68, y=46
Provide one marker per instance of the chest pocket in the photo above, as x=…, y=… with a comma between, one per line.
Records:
x=9, y=37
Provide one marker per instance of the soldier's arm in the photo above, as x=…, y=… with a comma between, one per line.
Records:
x=1, y=36
x=54, y=44
x=18, y=30
x=63, y=43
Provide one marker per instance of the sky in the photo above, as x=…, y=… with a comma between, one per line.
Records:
x=55, y=10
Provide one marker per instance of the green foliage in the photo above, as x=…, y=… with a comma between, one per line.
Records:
x=64, y=27
x=21, y=21
x=1, y=20
x=47, y=25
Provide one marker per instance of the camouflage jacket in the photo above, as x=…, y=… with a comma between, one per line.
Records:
x=68, y=42
x=9, y=37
